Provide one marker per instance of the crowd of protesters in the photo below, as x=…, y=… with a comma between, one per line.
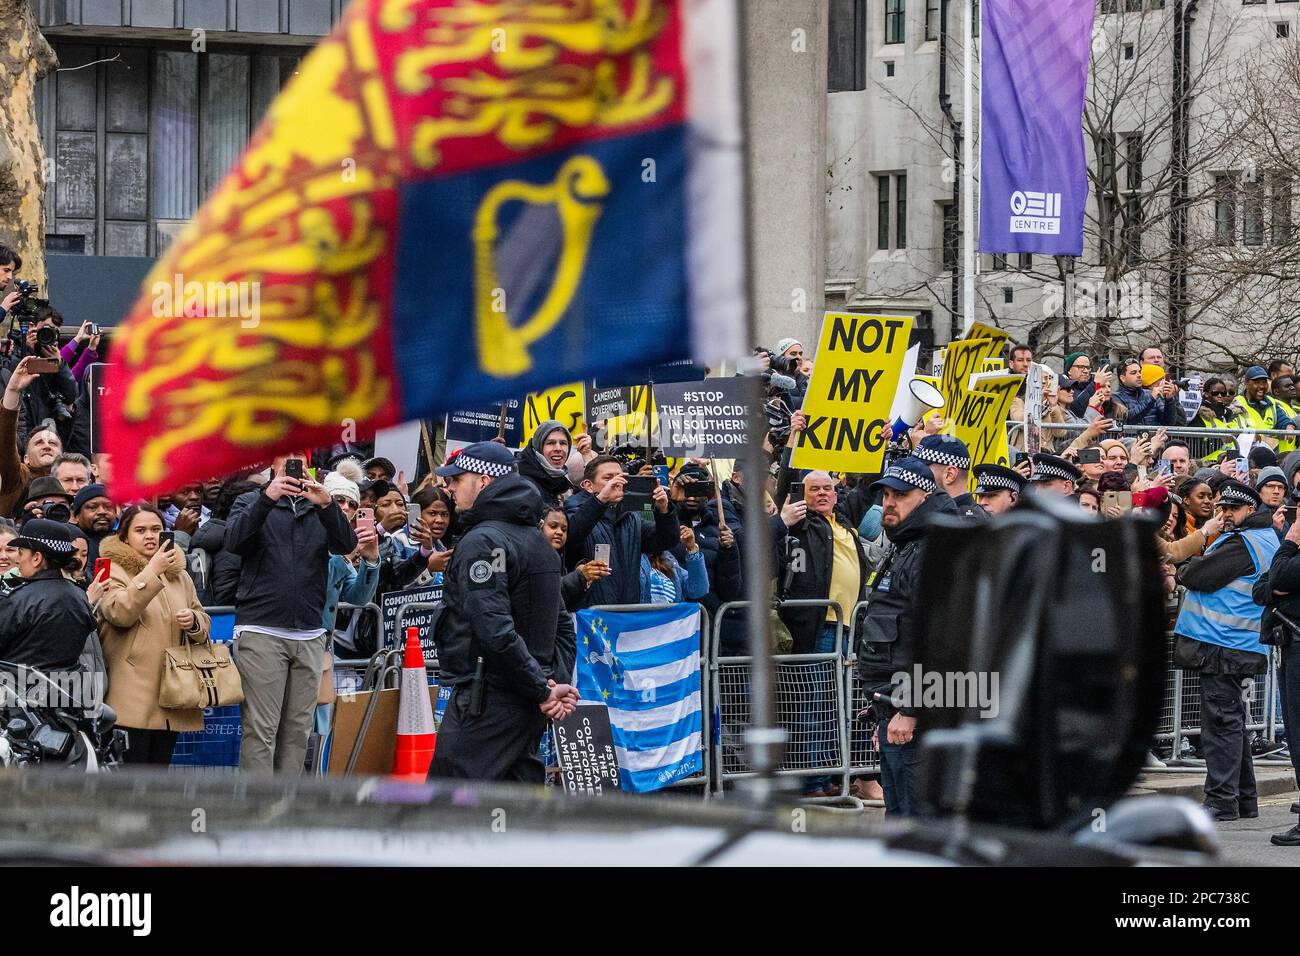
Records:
x=289, y=543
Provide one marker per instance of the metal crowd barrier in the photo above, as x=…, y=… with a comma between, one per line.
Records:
x=349, y=673
x=704, y=777
x=864, y=759
x=1201, y=443
x=810, y=704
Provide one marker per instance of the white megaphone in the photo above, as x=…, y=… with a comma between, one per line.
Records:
x=922, y=398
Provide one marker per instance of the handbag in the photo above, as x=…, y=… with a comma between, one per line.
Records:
x=325, y=691
x=199, y=675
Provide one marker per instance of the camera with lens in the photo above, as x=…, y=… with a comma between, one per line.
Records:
x=56, y=511
x=47, y=335
x=25, y=309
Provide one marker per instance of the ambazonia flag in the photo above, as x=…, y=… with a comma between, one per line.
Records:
x=453, y=201
x=1033, y=172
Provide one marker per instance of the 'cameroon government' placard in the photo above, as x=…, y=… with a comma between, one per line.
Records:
x=859, y=360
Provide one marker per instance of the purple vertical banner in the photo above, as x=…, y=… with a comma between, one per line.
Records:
x=1033, y=173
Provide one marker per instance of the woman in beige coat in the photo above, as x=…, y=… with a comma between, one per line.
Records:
x=150, y=604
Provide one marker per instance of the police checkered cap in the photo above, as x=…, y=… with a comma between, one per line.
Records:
x=42, y=534
x=905, y=474
x=1234, y=494
x=991, y=478
x=492, y=469
x=482, y=458
x=943, y=450
x=1049, y=467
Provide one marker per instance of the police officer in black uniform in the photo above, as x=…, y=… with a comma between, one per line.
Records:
x=1054, y=475
x=45, y=619
x=886, y=645
x=949, y=461
x=505, y=641
x=1279, y=592
x=998, y=488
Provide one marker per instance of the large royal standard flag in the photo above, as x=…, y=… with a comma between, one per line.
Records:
x=453, y=201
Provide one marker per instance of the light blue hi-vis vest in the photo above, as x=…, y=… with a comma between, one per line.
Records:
x=1229, y=617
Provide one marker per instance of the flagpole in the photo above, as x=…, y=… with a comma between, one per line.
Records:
x=968, y=170
x=764, y=740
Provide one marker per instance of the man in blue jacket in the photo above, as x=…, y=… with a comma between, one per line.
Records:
x=285, y=534
x=596, y=517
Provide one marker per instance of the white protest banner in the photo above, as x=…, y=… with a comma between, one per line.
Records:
x=400, y=445
x=1034, y=397
x=859, y=361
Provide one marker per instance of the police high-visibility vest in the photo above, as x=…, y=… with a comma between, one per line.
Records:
x=1229, y=617
x=1253, y=419
x=1228, y=443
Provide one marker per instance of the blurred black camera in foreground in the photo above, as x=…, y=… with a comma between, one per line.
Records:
x=1077, y=704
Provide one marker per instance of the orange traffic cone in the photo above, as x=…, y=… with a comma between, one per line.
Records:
x=415, y=734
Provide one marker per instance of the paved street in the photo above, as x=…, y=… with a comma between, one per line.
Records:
x=1245, y=842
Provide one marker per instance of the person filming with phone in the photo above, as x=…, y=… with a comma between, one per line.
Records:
x=598, y=514
x=150, y=604
x=285, y=534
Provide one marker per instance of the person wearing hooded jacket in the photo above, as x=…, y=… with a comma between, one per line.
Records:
x=1279, y=592
x=544, y=461
x=506, y=643
x=887, y=642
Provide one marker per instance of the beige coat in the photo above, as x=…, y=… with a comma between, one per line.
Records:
x=136, y=623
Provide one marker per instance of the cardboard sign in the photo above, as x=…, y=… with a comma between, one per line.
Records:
x=584, y=749
x=483, y=424
x=965, y=358
x=391, y=605
x=859, y=362
x=1190, y=399
x=981, y=419
x=563, y=404
x=1034, y=398
x=702, y=419
x=606, y=403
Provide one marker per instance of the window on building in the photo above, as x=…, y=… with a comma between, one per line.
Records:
x=1107, y=6
x=950, y=234
x=1128, y=51
x=932, y=19
x=1252, y=213
x=847, y=46
x=999, y=263
x=1280, y=213
x=1132, y=6
x=1008, y=295
x=1225, y=210
x=883, y=186
x=975, y=21
x=895, y=21
x=889, y=68
x=1131, y=250
x=900, y=201
x=891, y=195
x=1026, y=261
x=1283, y=30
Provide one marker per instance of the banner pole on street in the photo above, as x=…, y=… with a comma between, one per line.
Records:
x=968, y=170
x=764, y=741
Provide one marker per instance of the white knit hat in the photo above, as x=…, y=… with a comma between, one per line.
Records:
x=340, y=481
x=785, y=344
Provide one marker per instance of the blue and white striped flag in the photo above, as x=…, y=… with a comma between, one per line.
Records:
x=645, y=666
